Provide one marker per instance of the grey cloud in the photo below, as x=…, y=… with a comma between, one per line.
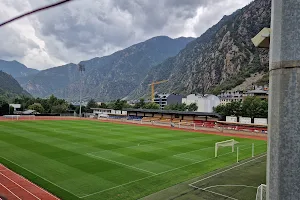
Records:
x=84, y=29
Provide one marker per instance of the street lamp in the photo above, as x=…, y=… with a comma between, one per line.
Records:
x=81, y=69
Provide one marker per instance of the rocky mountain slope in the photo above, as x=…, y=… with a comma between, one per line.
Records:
x=9, y=87
x=49, y=81
x=106, y=78
x=16, y=69
x=220, y=59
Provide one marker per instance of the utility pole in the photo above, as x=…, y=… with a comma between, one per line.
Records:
x=283, y=175
x=81, y=69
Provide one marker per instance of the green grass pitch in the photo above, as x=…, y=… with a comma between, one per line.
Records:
x=91, y=160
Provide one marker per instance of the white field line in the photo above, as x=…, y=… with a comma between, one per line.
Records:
x=20, y=186
x=194, y=151
x=191, y=184
x=119, y=163
x=129, y=147
x=26, y=180
x=84, y=196
x=41, y=178
x=222, y=195
x=185, y=158
x=10, y=191
x=214, y=186
x=177, y=155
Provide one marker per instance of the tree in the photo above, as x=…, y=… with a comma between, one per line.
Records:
x=62, y=108
x=103, y=105
x=252, y=107
x=192, y=107
x=170, y=107
x=140, y=104
x=151, y=105
x=4, y=106
x=37, y=107
x=178, y=107
x=120, y=105
x=91, y=104
x=83, y=109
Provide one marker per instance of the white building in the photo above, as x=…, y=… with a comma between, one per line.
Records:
x=104, y=113
x=205, y=103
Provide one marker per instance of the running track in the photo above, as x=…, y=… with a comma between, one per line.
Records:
x=16, y=187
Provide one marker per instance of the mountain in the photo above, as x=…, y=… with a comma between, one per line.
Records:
x=16, y=69
x=9, y=87
x=49, y=81
x=106, y=78
x=220, y=59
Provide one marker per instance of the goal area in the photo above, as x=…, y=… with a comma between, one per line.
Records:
x=227, y=143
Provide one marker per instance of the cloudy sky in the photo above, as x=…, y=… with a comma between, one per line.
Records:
x=84, y=29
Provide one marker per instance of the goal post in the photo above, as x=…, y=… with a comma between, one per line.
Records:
x=227, y=143
x=261, y=193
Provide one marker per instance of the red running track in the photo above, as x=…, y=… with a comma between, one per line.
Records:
x=16, y=187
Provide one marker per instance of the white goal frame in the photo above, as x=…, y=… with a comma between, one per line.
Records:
x=226, y=143
x=184, y=124
x=261, y=192
x=12, y=117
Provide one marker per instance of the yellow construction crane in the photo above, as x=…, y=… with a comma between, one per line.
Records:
x=152, y=87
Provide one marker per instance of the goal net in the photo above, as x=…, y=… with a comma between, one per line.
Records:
x=227, y=143
x=261, y=192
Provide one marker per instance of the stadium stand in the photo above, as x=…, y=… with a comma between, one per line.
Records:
x=135, y=118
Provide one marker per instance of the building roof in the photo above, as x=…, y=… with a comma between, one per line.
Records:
x=167, y=95
x=26, y=112
x=175, y=112
x=100, y=109
x=257, y=92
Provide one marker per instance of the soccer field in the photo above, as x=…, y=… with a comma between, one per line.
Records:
x=92, y=160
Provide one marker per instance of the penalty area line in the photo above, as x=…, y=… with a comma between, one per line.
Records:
x=216, y=193
x=119, y=163
x=191, y=184
x=121, y=185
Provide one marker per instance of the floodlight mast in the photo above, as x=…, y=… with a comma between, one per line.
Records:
x=81, y=69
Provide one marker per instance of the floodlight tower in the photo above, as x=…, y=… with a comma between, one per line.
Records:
x=81, y=69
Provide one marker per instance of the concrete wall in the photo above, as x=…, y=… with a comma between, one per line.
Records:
x=231, y=119
x=174, y=99
x=204, y=103
x=245, y=120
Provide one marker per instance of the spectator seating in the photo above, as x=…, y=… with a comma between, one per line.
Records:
x=150, y=119
x=135, y=118
x=116, y=117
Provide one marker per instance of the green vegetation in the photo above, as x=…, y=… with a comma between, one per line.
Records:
x=92, y=160
x=10, y=88
x=250, y=107
x=182, y=107
x=143, y=105
x=4, y=107
x=264, y=80
x=151, y=106
x=48, y=105
x=37, y=107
